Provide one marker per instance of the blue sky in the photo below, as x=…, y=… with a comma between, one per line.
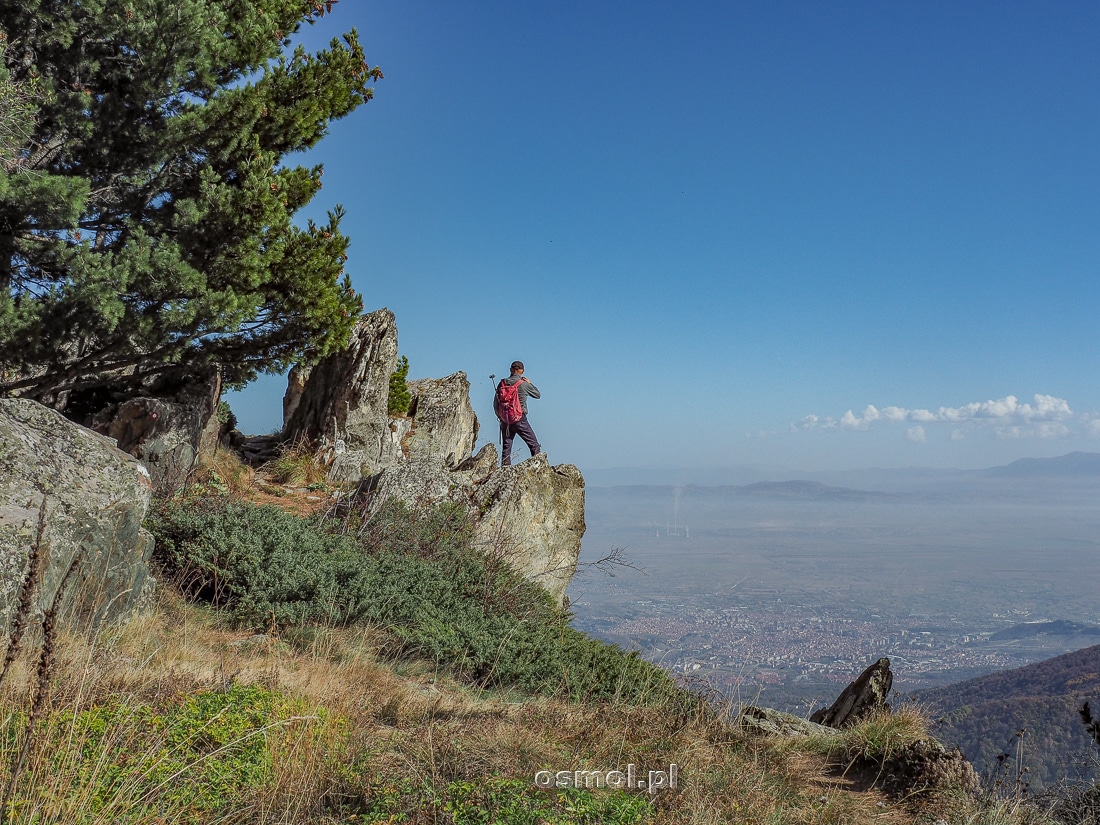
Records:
x=713, y=229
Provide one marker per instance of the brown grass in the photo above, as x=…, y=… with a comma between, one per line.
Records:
x=352, y=725
x=296, y=466
x=363, y=723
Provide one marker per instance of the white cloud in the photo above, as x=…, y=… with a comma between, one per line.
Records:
x=1044, y=417
x=849, y=422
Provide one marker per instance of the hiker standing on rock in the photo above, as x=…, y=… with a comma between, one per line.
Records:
x=510, y=405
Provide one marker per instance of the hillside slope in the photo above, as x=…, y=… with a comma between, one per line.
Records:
x=983, y=715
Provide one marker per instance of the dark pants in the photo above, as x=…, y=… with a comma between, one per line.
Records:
x=509, y=432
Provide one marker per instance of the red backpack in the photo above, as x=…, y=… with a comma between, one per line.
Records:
x=507, y=405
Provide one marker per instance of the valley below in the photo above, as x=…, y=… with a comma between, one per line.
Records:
x=780, y=594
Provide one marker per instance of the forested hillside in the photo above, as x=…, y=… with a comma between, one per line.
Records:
x=984, y=715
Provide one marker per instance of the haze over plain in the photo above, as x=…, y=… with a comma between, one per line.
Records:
x=801, y=235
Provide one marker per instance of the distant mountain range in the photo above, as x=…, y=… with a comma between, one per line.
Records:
x=983, y=715
x=1071, y=465
x=1024, y=479
x=803, y=490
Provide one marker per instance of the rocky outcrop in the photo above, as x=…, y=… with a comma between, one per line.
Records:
x=443, y=420
x=768, y=722
x=531, y=514
x=341, y=405
x=926, y=766
x=344, y=396
x=866, y=695
x=167, y=428
x=91, y=499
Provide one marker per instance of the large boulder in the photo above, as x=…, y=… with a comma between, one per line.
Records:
x=443, y=420
x=91, y=498
x=757, y=721
x=341, y=408
x=927, y=766
x=167, y=427
x=865, y=696
x=531, y=514
x=340, y=405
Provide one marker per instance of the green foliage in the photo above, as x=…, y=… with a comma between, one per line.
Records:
x=226, y=417
x=514, y=801
x=16, y=114
x=418, y=577
x=127, y=761
x=400, y=397
x=146, y=220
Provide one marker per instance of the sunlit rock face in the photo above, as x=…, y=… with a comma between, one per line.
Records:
x=72, y=493
x=531, y=513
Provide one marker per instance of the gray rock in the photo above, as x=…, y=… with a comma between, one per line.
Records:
x=769, y=722
x=166, y=432
x=480, y=466
x=927, y=766
x=418, y=483
x=340, y=405
x=867, y=694
x=530, y=514
x=443, y=420
x=95, y=497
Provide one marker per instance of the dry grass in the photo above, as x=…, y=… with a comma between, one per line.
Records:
x=296, y=466
x=280, y=482
x=355, y=726
x=224, y=472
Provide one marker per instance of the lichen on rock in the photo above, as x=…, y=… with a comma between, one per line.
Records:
x=93, y=498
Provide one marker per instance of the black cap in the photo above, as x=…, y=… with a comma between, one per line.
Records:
x=517, y=365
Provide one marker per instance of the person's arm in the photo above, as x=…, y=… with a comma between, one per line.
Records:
x=532, y=390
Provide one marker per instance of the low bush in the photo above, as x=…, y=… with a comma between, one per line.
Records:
x=125, y=762
x=415, y=576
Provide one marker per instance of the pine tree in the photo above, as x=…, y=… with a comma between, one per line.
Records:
x=146, y=223
x=400, y=397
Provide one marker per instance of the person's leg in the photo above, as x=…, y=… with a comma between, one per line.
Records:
x=507, y=433
x=523, y=428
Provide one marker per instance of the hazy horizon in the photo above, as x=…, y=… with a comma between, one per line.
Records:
x=790, y=590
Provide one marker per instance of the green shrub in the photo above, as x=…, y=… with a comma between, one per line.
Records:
x=400, y=397
x=226, y=417
x=121, y=762
x=515, y=801
x=416, y=577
